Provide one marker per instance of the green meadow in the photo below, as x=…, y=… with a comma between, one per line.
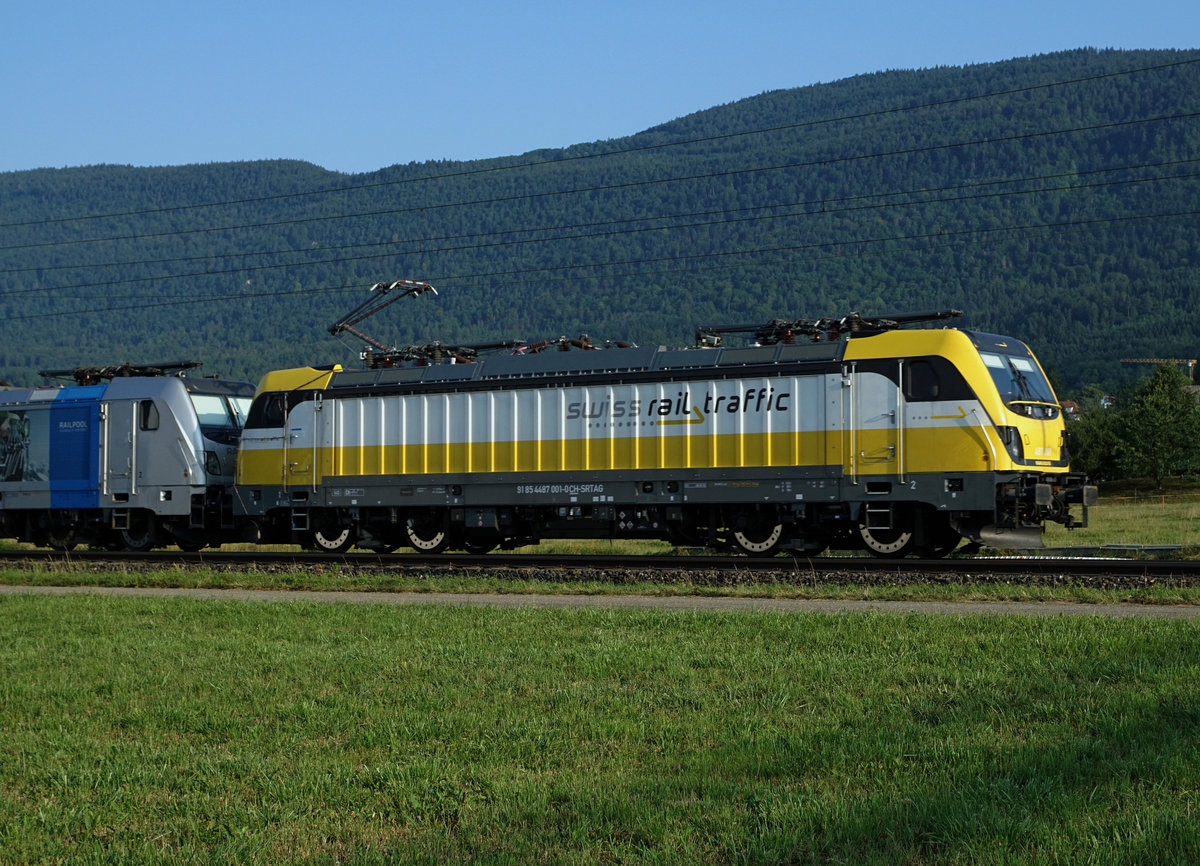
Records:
x=142, y=730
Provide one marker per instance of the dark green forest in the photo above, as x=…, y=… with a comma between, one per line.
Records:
x=1053, y=198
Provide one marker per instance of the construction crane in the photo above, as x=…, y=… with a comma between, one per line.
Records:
x=1190, y=363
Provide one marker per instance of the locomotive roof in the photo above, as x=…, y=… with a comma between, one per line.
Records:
x=553, y=364
x=130, y=387
x=552, y=368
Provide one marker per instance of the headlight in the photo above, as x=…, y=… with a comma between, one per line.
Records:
x=1011, y=437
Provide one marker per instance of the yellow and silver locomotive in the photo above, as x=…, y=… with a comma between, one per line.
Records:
x=846, y=432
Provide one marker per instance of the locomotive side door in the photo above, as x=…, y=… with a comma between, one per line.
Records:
x=276, y=416
x=118, y=440
x=127, y=437
x=301, y=440
x=872, y=422
x=324, y=417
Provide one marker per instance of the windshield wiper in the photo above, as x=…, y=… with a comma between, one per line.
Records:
x=1021, y=381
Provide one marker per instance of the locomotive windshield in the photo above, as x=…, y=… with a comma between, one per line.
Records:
x=221, y=416
x=1021, y=384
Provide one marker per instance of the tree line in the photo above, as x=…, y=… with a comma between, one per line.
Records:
x=1151, y=430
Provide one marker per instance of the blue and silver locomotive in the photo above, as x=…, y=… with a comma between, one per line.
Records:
x=123, y=458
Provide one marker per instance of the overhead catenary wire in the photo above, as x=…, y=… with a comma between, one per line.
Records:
x=628, y=226
x=725, y=220
x=812, y=163
x=561, y=158
x=946, y=238
x=819, y=207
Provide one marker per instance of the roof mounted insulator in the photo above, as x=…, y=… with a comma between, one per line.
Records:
x=827, y=329
x=96, y=375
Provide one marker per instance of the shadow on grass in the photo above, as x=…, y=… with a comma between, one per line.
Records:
x=1113, y=794
x=1123, y=788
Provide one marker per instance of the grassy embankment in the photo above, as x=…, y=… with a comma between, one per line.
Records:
x=146, y=730
x=143, y=730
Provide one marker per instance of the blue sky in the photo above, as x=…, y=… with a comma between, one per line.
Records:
x=356, y=86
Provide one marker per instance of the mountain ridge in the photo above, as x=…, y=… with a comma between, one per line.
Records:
x=1058, y=209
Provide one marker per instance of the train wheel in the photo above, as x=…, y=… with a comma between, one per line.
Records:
x=142, y=532
x=60, y=538
x=893, y=542
x=333, y=539
x=760, y=540
x=426, y=536
x=480, y=546
x=940, y=536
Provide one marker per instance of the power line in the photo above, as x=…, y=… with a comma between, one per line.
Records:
x=1066, y=225
x=616, y=151
x=826, y=161
x=959, y=237
x=576, y=268
x=720, y=217
x=946, y=241
x=822, y=206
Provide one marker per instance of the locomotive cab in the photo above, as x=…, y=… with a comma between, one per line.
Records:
x=1030, y=423
x=1033, y=434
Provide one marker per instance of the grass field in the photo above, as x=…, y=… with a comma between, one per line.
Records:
x=143, y=730
x=1147, y=518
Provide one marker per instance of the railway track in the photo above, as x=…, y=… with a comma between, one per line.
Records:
x=707, y=570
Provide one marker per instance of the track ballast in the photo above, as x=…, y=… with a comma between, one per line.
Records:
x=1100, y=573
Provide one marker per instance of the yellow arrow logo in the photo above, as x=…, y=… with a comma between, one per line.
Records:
x=699, y=419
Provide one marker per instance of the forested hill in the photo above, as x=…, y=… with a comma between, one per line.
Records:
x=1053, y=198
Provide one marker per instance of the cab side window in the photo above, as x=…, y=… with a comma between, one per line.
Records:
x=271, y=409
x=267, y=410
x=921, y=381
x=147, y=415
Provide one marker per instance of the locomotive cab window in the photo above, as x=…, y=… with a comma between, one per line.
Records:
x=933, y=378
x=147, y=415
x=221, y=417
x=268, y=410
x=274, y=412
x=271, y=409
x=240, y=407
x=1021, y=384
x=921, y=381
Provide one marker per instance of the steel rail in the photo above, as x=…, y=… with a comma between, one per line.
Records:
x=623, y=568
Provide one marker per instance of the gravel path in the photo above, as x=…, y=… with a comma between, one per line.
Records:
x=637, y=601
